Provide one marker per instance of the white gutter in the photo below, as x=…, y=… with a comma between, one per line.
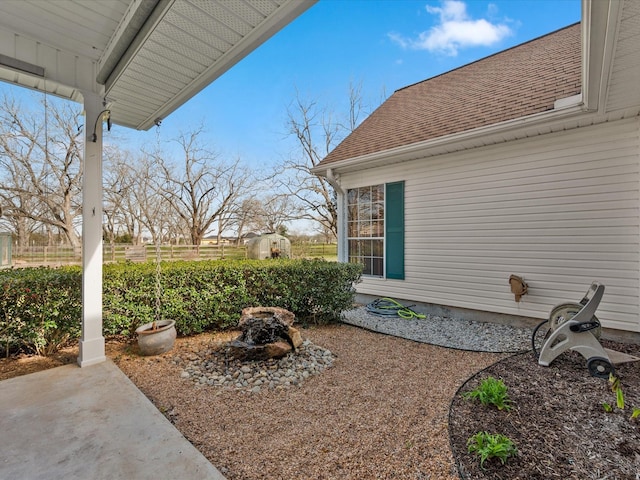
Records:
x=124, y=37
x=565, y=108
x=334, y=181
x=342, y=215
x=600, y=21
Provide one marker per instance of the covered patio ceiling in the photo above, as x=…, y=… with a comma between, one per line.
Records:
x=137, y=59
x=145, y=57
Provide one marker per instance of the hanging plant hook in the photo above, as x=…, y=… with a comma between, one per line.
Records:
x=94, y=137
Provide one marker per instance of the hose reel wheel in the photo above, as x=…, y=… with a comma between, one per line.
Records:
x=565, y=311
x=600, y=367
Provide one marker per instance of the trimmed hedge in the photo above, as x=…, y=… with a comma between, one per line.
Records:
x=40, y=309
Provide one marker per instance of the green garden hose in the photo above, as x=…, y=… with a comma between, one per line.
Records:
x=388, y=307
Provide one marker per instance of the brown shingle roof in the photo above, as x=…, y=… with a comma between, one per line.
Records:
x=520, y=81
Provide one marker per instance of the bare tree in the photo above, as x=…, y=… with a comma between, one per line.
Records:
x=265, y=213
x=125, y=177
x=146, y=204
x=13, y=203
x=275, y=211
x=41, y=158
x=243, y=218
x=201, y=188
x=118, y=187
x=317, y=131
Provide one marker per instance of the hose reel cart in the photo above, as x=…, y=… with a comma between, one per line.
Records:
x=574, y=326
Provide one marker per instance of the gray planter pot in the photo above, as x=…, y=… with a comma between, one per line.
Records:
x=160, y=340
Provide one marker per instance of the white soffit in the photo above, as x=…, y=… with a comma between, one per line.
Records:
x=53, y=45
x=148, y=57
x=189, y=44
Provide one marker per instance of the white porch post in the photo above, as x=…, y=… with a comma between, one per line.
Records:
x=92, y=342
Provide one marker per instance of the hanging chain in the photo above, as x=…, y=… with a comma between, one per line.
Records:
x=158, y=315
x=45, y=171
x=158, y=284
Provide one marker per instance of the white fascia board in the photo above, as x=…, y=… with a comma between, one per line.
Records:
x=423, y=149
x=128, y=29
x=285, y=14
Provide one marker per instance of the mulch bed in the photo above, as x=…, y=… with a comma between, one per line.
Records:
x=558, y=422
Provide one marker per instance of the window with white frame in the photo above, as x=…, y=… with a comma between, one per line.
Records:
x=366, y=228
x=375, y=229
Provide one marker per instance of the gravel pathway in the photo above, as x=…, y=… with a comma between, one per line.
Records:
x=445, y=331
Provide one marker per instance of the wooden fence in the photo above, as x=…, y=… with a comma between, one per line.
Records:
x=66, y=255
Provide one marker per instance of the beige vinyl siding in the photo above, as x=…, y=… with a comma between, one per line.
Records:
x=561, y=210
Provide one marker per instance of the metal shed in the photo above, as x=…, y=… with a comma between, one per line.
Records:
x=269, y=245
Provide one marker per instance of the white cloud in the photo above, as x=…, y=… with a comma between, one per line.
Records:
x=454, y=31
x=399, y=39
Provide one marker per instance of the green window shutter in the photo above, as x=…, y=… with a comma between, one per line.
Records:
x=394, y=230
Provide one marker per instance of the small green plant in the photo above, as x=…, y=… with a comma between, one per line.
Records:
x=617, y=389
x=488, y=446
x=491, y=392
x=614, y=383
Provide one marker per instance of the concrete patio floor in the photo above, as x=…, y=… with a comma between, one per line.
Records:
x=90, y=423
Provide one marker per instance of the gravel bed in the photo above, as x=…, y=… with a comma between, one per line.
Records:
x=445, y=331
x=213, y=367
x=380, y=411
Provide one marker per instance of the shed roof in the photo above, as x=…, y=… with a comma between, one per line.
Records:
x=521, y=81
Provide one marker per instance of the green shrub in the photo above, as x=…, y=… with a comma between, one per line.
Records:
x=315, y=290
x=128, y=299
x=210, y=295
x=488, y=446
x=40, y=309
x=491, y=392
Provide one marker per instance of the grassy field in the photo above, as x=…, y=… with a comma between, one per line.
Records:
x=307, y=250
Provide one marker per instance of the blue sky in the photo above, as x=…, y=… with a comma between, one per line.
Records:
x=383, y=44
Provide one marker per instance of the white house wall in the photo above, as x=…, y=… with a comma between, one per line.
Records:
x=560, y=210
